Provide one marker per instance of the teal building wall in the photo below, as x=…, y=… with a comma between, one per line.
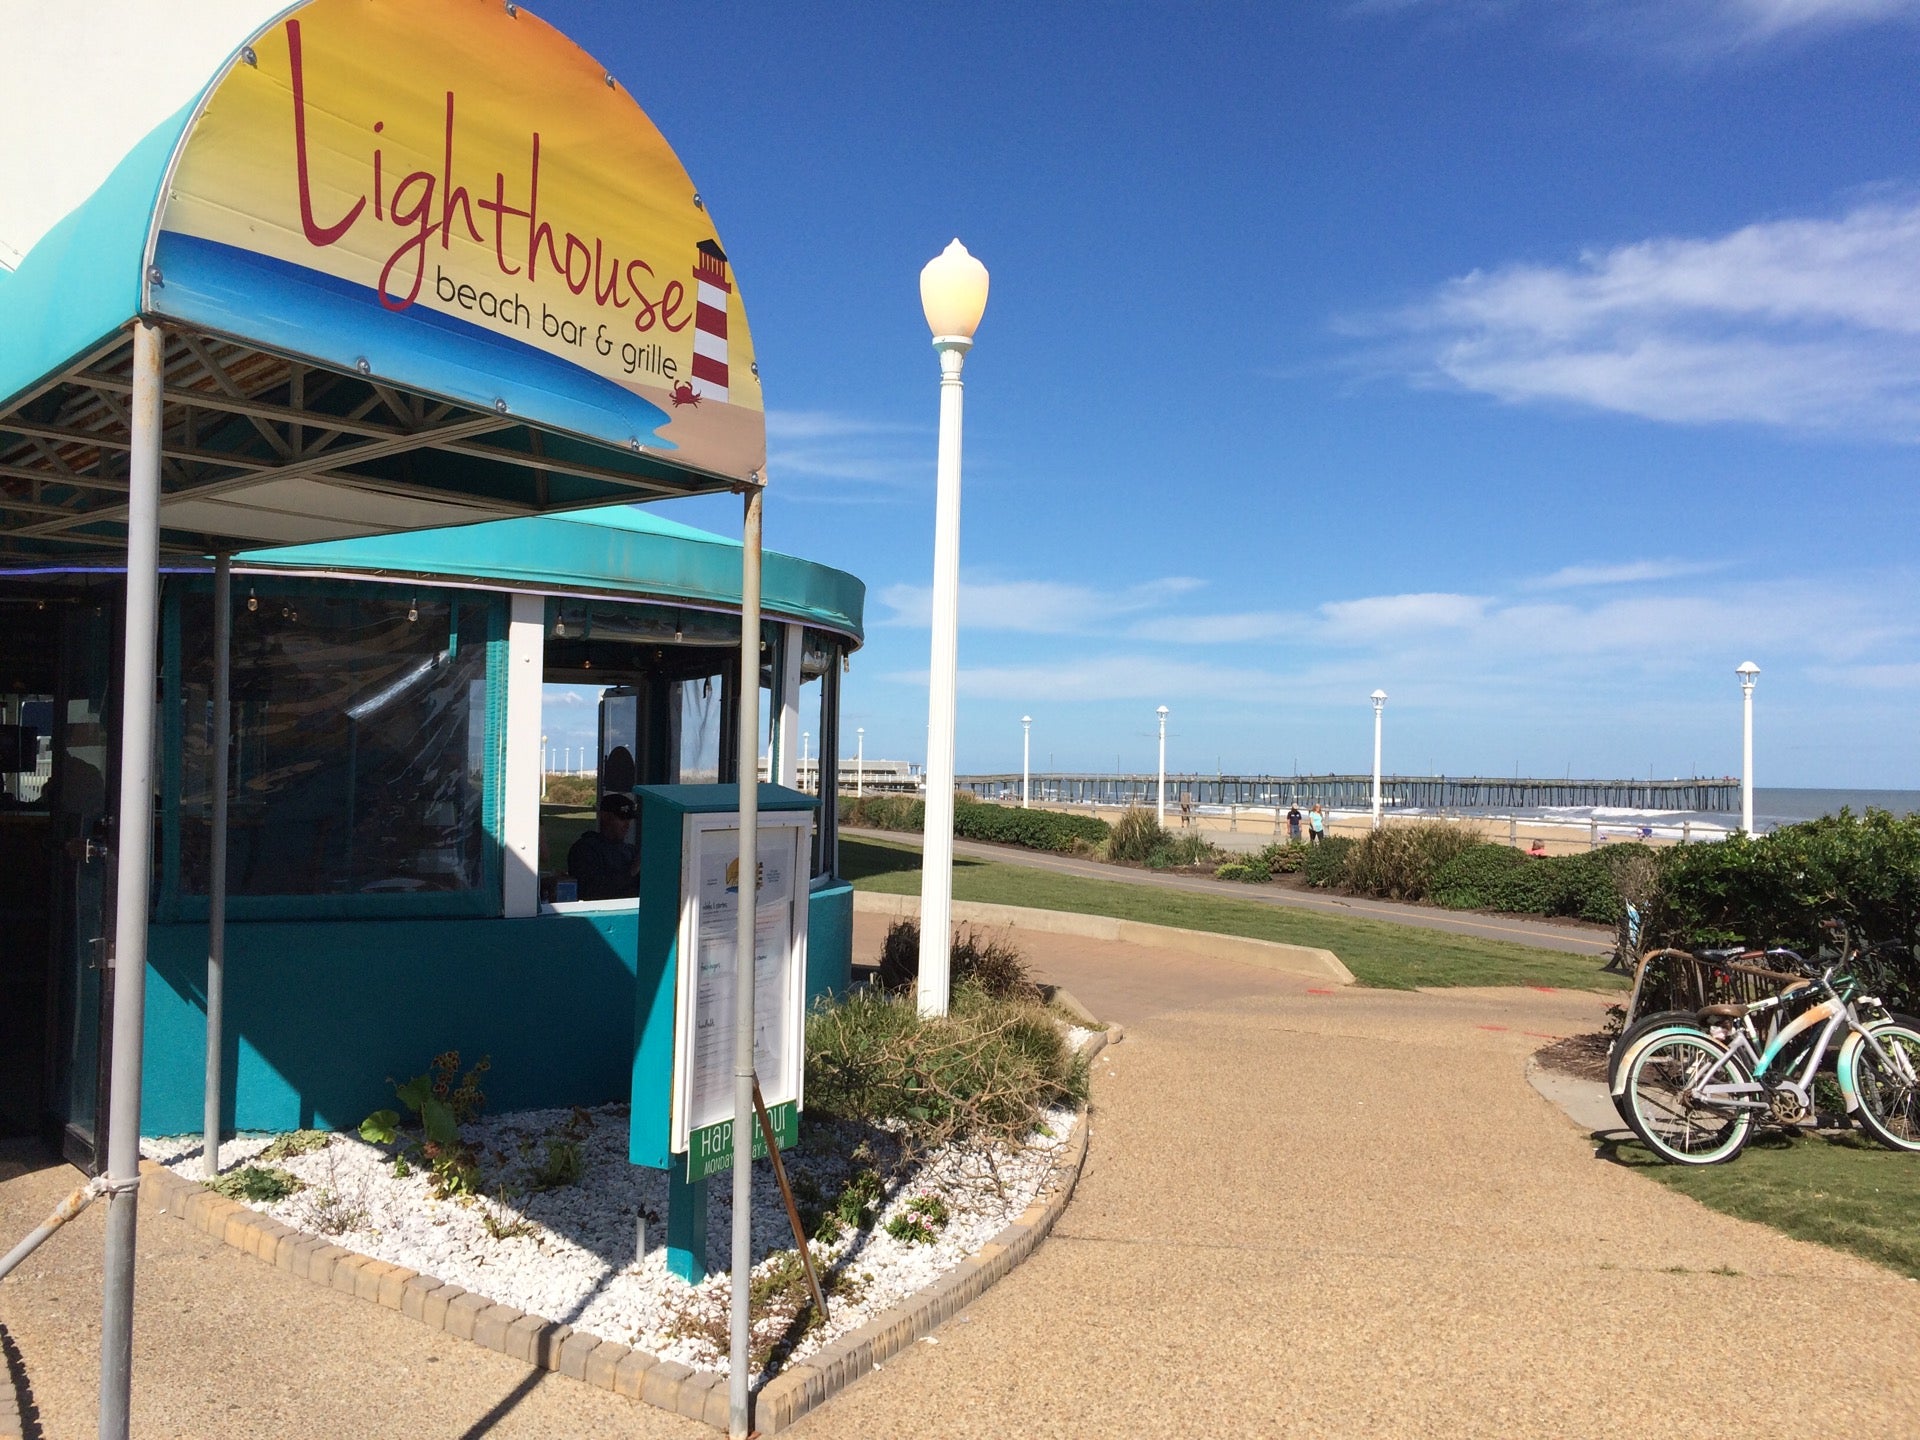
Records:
x=320, y=1013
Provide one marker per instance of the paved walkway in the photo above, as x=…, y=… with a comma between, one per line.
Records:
x=1306, y=1211
x=1576, y=936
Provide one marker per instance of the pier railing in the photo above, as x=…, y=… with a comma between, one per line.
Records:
x=1424, y=792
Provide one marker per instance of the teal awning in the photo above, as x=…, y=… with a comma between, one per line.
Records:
x=620, y=551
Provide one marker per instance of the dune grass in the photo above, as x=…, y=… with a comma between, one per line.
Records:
x=1379, y=953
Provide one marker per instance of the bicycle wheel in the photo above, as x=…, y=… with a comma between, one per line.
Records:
x=1627, y=1043
x=1889, y=1089
x=1662, y=1109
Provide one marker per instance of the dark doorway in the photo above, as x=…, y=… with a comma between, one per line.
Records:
x=59, y=655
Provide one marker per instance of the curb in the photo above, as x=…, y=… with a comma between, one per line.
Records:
x=1308, y=961
x=605, y=1364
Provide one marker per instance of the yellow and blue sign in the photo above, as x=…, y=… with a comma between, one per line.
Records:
x=451, y=195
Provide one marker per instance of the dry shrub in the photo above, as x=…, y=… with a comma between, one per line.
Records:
x=980, y=1074
x=991, y=964
x=1399, y=862
x=1136, y=835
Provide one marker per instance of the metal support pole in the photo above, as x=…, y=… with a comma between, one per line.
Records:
x=135, y=872
x=860, y=763
x=217, y=759
x=740, y=1349
x=936, y=878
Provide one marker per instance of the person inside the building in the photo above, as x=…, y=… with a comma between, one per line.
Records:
x=603, y=860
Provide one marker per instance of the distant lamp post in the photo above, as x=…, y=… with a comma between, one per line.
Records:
x=1749, y=673
x=1379, y=698
x=546, y=766
x=1160, y=805
x=1026, y=757
x=806, y=744
x=953, y=293
x=860, y=763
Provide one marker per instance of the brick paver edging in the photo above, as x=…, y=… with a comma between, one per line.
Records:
x=546, y=1344
x=13, y=1424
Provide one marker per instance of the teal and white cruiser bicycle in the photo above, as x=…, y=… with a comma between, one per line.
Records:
x=1694, y=1087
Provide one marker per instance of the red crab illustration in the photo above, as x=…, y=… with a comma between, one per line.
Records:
x=682, y=394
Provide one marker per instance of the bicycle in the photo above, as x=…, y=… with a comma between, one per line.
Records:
x=1692, y=1089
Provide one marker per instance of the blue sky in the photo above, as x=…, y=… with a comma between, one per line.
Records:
x=1534, y=360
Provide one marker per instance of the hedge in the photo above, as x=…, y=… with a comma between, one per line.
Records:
x=999, y=824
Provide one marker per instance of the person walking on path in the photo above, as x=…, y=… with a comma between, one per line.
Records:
x=1293, y=822
x=1316, y=825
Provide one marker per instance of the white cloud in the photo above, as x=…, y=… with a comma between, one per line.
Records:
x=1805, y=324
x=1632, y=572
x=1035, y=607
x=1386, y=617
x=868, y=455
x=1766, y=19
x=1679, y=29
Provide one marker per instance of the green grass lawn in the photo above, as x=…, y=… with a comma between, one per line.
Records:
x=1379, y=953
x=1841, y=1190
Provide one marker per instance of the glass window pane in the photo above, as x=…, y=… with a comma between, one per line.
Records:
x=359, y=738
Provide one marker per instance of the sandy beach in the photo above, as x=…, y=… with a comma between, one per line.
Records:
x=1251, y=827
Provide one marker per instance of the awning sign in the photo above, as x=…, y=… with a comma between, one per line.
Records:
x=452, y=195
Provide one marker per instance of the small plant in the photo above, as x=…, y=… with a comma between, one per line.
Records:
x=296, y=1142
x=1251, y=871
x=443, y=1100
x=562, y=1166
x=859, y=1200
x=401, y=1169
x=1285, y=857
x=502, y=1221
x=258, y=1184
x=930, y=1208
x=910, y=1230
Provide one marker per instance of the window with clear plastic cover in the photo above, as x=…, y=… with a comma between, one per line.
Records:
x=820, y=725
x=360, y=741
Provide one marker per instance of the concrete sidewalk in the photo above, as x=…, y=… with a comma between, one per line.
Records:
x=1574, y=936
x=1308, y=1210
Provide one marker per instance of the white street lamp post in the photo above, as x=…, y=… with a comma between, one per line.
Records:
x=860, y=763
x=953, y=293
x=1379, y=698
x=1160, y=805
x=1748, y=673
x=1026, y=758
x=546, y=765
x=806, y=744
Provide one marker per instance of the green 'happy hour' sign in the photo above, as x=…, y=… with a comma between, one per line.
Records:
x=710, y=1149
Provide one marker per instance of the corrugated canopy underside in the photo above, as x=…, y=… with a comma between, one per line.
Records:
x=260, y=449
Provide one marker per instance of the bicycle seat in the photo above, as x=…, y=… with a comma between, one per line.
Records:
x=1725, y=952
x=1722, y=1012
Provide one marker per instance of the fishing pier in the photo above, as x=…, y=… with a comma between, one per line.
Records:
x=1355, y=792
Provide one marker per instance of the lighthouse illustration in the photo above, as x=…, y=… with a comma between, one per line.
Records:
x=710, y=322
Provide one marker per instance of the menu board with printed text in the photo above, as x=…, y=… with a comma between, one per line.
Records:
x=710, y=969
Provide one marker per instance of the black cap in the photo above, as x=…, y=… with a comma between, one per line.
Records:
x=620, y=804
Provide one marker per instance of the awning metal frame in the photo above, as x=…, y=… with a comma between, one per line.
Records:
x=235, y=416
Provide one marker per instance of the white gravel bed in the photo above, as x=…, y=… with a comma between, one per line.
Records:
x=573, y=1258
